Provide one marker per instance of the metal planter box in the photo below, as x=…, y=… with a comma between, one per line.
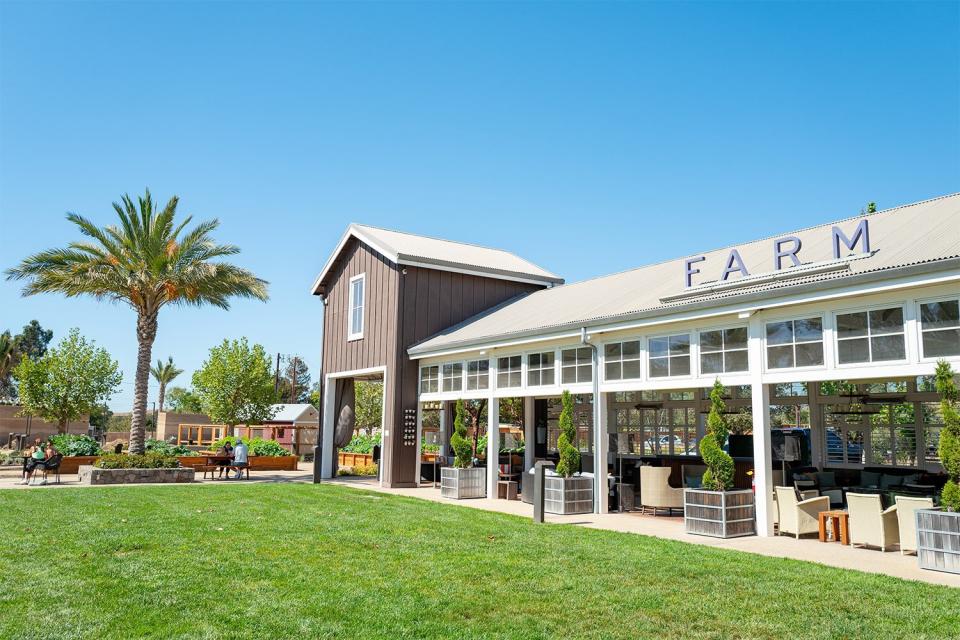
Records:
x=460, y=484
x=938, y=540
x=565, y=496
x=719, y=514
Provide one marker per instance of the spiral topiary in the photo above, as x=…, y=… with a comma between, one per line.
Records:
x=462, y=449
x=719, y=473
x=569, y=454
x=949, y=448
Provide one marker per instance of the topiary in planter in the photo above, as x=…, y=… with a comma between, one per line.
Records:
x=949, y=436
x=569, y=454
x=720, y=467
x=462, y=449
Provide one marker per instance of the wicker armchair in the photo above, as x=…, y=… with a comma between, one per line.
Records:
x=870, y=524
x=907, y=520
x=799, y=517
x=656, y=492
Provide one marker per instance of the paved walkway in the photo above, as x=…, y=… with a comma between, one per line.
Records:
x=808, y=549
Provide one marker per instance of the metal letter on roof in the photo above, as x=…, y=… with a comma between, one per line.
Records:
x=862, y=232
x=779, y=253
x=689, y=271
x=734, y=263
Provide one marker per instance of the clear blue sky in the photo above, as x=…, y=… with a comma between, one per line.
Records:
x=589, y=138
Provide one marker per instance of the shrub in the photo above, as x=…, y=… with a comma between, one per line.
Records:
x=258, y=446
x=148, y=460
x=569, y=454
x=358, y=470
x=362, y=443
x=720, y=467
x=168, y=449
x=462, y=449
x=949, y=448
x=71, y=444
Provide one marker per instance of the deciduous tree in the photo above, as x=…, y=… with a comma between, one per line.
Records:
x=235, y=384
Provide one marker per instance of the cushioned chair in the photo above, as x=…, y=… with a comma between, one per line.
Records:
x=804, y=495
x=656, y=492
x=799, y=517
x=870, y=524
x=907, y=522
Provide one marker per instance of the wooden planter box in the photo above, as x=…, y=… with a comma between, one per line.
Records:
x=273, y=463
x=460, y=484
x=190, y=462
x=565, y=496
x=71, y=464
x=719, y=514
x=349, y=459
x=938, y=540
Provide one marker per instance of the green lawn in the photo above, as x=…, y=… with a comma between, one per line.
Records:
x=286, y=561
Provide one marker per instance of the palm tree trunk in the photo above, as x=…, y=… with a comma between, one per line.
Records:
x=146, y=332
x=163, y=392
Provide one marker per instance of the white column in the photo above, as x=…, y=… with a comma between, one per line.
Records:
x=329, y=426
x=493, y=445
x=529, y=434
x=601, y=450
x=762, y=459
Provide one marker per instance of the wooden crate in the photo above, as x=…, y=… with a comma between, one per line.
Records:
x=938, y=540
x=719, y=514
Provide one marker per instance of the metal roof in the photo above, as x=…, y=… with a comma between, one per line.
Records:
x=915, y=234
x=446, y=255
x=290, y=413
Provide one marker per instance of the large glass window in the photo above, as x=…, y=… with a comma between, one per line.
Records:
x=893, y=435
x=357, y=286
x=795, y=343
x=844, y=435
x=576, y=365
x=670, y=356
x=540, y=369
x=723, y=350
x=509, y=372
x=932, y=425
x=621, y=360
x=870, y=336
x=453, y=376
x=429, y=379
x=478, y=375
x=940, y=328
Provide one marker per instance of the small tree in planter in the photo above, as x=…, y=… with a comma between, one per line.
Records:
x=462, y=480
x=938, y=532
x=565, y=493
x=713, y=509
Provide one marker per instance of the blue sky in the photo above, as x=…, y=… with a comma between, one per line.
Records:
x=589, y=138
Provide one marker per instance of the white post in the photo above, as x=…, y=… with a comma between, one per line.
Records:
x=329, y=426
x=493, y=445
x=601, y=449
x=762, y=459
x=529, y=434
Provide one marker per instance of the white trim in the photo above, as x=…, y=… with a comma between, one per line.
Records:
x=917, y=303
x=328, y=417
x=692, y=334
x=723, y=351
x=351, y=232
x=793, y=318
x=869, y=335
x=351, y=334
x=496, y=275
x=602, y=359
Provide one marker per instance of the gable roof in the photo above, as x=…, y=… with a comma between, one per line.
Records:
x=907, y=236
x=444, y=255
x=292, y=412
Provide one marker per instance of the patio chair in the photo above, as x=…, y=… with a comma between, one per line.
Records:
x=804, y=495
x=799, y=517
x=656, y=492
x=51, y=466
x=907, y=520
x=870, y=524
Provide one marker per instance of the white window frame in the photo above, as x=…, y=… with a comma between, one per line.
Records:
x=510, y=371
x=638, y=359
x=723, y=350
x=452, y=378
x=824, y=330
x=542, y=369
x=438, y=367
x=575, y=366
x=478, y=376
x=693, y=355
x=351, y=334
x=871, y=362
x=921, y=330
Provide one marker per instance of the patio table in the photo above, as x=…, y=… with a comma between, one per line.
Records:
x=840, y=523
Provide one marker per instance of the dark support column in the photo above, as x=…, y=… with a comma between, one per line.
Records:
x=317, y=459
x=538, y=494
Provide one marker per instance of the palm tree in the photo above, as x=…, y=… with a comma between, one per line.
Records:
x=8, y=360
x=164, y=373
x=147, y=262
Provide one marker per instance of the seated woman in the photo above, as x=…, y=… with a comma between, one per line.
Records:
x=41, y=457
x=225, y=450
x=35, y=456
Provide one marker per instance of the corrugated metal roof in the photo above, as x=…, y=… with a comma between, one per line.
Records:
x=408, y=248
x=293, y=412
x=912, y=234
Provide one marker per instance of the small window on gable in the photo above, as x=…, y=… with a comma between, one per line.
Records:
x=355, y=312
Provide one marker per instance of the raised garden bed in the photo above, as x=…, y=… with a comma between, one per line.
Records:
x=350, y=459
x=719, y=514
x=93, y=476
x=71, y=464
x=460, y=484
x=938, y=540
x=565, y=496
x=273, y=463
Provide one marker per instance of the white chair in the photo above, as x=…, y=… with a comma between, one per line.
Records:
x=776, y=505
x=907, y=520
x=796, y=516
x=656, y=492
x=870, y=524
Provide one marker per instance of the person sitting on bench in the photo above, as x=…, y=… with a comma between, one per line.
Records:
x=226, y=450
x=35, y=458
x=240, y=458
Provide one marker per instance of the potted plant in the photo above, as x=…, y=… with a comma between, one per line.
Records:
x=566, y=491
x=462, y=480
x=715, y=509
x=938, y=530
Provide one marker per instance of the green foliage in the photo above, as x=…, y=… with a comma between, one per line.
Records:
x=949, y=435
x=362, y=443
x=71, y=444
x=462, y=448
x=164, y=373
x=181, y=400
x=569, y=455
x=149, y=460
x=258, y=446
x=720, y=467
x=168, y=449
x=68, y=382
x=235, y=384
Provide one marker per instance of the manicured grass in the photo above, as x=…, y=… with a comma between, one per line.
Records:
x=305, y=561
